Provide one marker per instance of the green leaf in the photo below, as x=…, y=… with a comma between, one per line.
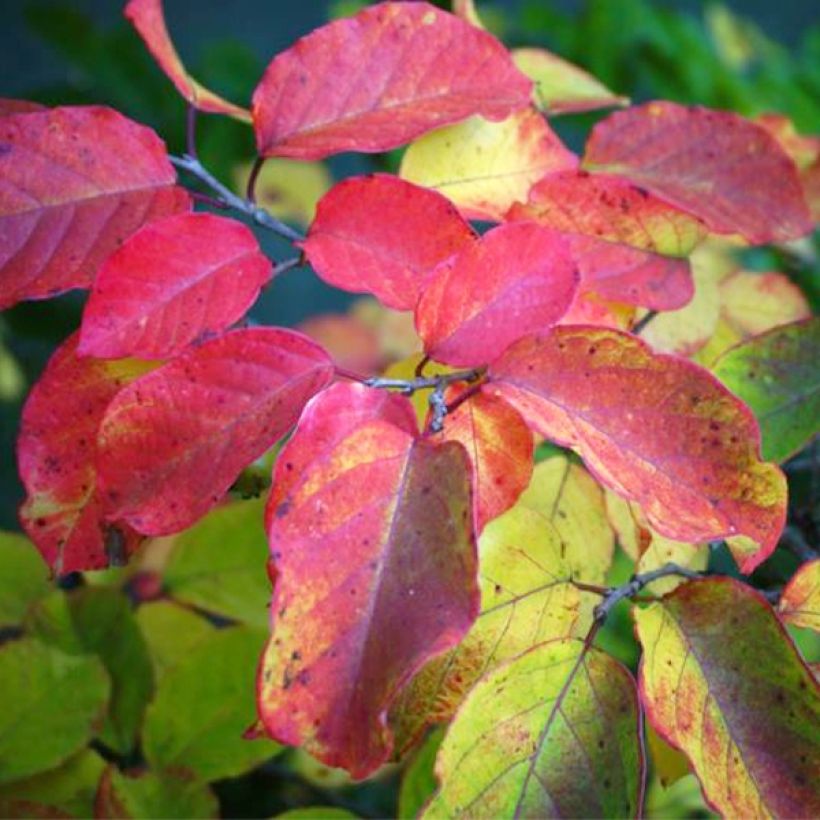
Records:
x=219, y=564
x=721, y=681
x=778, y=375
x=69, y=788
x=171, y=631
x=99, y=621
x=204, y=704
x=24, y=577
x=419, y=781
x=152, y=795
x=554, y=732
x=54, y=702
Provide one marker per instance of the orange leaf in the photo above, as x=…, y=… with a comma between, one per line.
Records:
x=800, y=602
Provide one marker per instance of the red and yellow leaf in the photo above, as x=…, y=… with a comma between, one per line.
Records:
x=148, y=19
x=526, y=599
x=374, y=557
x=174, y=441
x=499, y=445
x=657, y=429
x=554, y=732
x=329, y=93
x=63, y=512
x=517, y=279
x=800, y=602
x=77, y=182
x=381, y=235
x=716, y=165
x=179, y=279
x=721, y=681
x=485, y=167
x=610, y=208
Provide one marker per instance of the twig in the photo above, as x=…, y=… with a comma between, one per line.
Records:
x=642, y=323
x=792, y=539
x=250, y=191
x=286, y=265
x=259, y=215
x=410, y=386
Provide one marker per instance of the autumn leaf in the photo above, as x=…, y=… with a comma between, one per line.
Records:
x=721, y=681
x=177, y=280
x=716, y=165
x=526, y=599
x=377, y=80
x=78, y=181
x=499, y=446
x=518, y=278
x=349, y=340
x=610, y=208
x=148, y=19
x=173, y=442
x=777, y=375
x=381, y=235
x=485, y=167
x=555, y=732
x=800, y=602
x=371, y=537
x=56, y=453
x=656, y=429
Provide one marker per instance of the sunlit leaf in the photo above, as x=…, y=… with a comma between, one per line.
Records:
x=381, y=235
x=371, y=538
x=202, y=707
x=553, y=733
x=721, y=680
x=517, y=279
x=173, y=442
x=656, y=429
x=56, y=454
x=24, y=577
x=54, y=703
x=484, y=167
x=526, y=599
x=610, y=208
x=124, y=797
x=800, y=602
x=374, y=81
x=76, y=183
x=148, y=19
x=561, y=87
x=716, y=165
x=778, y=376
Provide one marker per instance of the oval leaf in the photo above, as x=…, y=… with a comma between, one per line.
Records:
x=484, y=167
x=515, y=280
x=553, y=733
x=721, y=681
x=656, y=429
x=716, y=165
x=328, y=93
x=778, y=376
x=174, y=441
x=76, y=183
x=378, y=234
x=800, y=602
x=372, y=542
x=148, y=19
x=176, y=280
x=56, y=455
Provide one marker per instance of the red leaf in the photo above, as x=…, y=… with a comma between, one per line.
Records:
x=173, y=442
x=656, y=429
x=716, y=165
x=517, y=279
x=499, y=445
x=56, y=454
x=610, y=208
x=176, y=280
x=148, y=19
x=381, y=235
x=76, y=182
x=374, y=81
x=630, y=275
x=371, y=536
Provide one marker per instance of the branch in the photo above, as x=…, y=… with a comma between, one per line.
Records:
x=642, y=323
x=259, y=215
